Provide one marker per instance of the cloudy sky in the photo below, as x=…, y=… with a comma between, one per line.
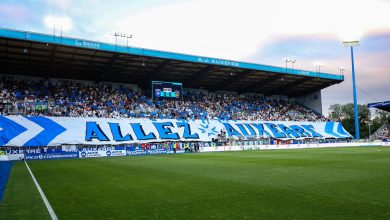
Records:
x=259, y=31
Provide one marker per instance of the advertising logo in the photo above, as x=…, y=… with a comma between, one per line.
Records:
x=157, y=92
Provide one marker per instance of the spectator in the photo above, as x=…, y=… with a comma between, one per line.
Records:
x=69, y=99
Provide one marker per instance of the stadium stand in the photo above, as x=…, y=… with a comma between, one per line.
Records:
x=96, y=99
x=69, y=99
x=383, y=132
x=384, y=106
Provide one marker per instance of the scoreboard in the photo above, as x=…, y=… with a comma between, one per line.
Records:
x=167, y=90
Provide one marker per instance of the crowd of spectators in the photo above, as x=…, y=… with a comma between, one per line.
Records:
x=383, y=132
x=69, y=99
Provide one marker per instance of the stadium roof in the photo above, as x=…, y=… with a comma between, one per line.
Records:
x=28, y=53
x=385, y=106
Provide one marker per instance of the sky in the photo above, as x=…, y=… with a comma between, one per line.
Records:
x=258, y=31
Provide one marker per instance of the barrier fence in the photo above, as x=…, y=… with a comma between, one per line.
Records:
x=73, y=152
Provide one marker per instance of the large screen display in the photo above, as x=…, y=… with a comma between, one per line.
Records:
x=167, y=90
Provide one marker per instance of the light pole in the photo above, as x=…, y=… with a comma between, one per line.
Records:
x=318, y=66
x=286, y=60
x=116, y=38
x=369, y=130
x=127, y=36
x=289, y=60
x=342, y=69
x=352, y=44
x=127, y=39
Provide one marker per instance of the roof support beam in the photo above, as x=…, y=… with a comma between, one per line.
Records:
x=106, y=71
x=194, y=80
x=299, y=82
x=87, y=56
x=158, y=70
x=234, y=78
x=291, y=86
x=256, y=86
x=51, y=62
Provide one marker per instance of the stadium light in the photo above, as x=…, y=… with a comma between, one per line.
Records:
x=289, y=60
x=342, y=69
x=63, y=22
x=318, y=67
x=127, y=36
x=292, y=63
x=352, y=44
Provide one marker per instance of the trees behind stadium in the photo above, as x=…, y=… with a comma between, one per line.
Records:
x=344, y=114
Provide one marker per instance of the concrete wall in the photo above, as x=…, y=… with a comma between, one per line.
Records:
x=312, y=101
x=291, y=146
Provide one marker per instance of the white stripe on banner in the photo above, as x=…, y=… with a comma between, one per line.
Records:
x=32, y=130
x=48, y=206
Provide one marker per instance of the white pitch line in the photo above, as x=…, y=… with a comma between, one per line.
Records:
x=48, y=206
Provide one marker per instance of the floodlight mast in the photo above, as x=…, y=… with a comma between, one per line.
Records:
x=127, y=36
x=352, y=44
x=318, y=67
x=342, y=69
x=289, y=60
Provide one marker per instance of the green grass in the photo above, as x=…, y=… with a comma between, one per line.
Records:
x=337, y=183
x=21, y=198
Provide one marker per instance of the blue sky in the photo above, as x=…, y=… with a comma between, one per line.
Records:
x=259, y=31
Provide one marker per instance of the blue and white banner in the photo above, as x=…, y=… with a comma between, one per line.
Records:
x=138, y=150
x=54, y=131
x=130, y=151
x=51, y=156
x=102, y=152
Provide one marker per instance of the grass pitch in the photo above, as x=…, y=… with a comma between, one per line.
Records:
x=336, y=183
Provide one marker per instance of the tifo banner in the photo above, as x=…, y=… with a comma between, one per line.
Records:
x=54, y=131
